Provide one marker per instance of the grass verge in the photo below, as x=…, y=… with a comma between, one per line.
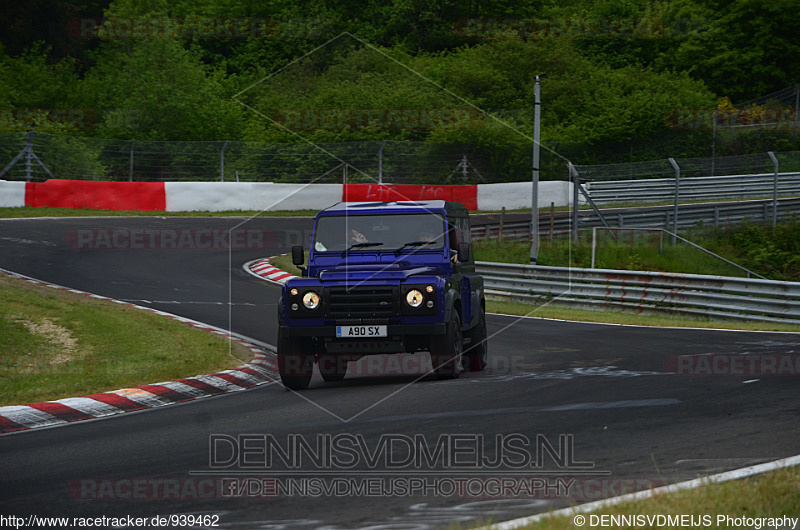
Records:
x=284, y=262
x=770, y=252
x=770, y=495
x=57, y=344
x=639, y=253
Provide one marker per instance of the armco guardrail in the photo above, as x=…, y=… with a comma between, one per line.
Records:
x=689, y=215
x=693, y=188
x=645, y=292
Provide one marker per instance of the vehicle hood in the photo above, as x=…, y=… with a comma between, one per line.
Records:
x=375, y=271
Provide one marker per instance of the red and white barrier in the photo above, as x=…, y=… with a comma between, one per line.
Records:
x=264, y=196
x=467, y=194
x=517, y=195
x=256, y=196
x=96, y=195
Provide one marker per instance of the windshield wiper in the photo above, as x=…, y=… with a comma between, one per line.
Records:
x=414, y=244
x=363, y=245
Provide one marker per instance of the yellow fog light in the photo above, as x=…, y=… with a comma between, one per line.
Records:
x=311, y=300
x=429, y=288
x=414, y=298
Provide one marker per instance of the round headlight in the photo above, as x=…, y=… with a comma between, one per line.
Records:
x=311, y=300
x=414, y=298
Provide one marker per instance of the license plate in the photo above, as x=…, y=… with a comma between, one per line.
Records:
x=360, y=332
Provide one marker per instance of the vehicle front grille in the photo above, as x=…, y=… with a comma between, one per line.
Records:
x=361, y=301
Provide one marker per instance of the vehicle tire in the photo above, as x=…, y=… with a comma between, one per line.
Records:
x=294, y=365
x=446, y=357
x=332, y=367
x=477, y=355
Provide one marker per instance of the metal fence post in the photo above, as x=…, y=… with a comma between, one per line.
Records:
x=576, y=182
x=677, y=191
x=130, y=169
x=222, y=162
x=774, y=190
x=29, y=155
x=380, y=162
x=714, y=140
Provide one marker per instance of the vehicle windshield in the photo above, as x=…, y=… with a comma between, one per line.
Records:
x=411, y=232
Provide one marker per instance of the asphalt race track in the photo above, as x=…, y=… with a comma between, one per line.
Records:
x=565, y=413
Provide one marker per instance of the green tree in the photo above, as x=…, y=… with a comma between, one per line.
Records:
x=162, y=91
x=37, y=93
x=748, y=50
x=55, y=22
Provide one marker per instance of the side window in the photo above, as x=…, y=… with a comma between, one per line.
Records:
x=454, y=234
x=463, y=225
x=459, y=231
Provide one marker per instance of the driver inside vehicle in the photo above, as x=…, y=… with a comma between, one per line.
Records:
x=427, y=237
x=357, y=237
x=454, y=257
x=455, y=237
x=354, y=237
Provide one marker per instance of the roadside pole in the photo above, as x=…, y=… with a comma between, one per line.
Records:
x=535, y=177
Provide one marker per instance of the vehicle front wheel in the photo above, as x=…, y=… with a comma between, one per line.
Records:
x=295, y=365
x=446, y=351
x=332, y=367
x=477, y=355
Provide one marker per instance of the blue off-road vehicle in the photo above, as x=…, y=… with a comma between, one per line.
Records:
x=383, y=278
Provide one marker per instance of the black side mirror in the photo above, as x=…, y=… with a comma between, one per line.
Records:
x=298, y=255
x=463, y=252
